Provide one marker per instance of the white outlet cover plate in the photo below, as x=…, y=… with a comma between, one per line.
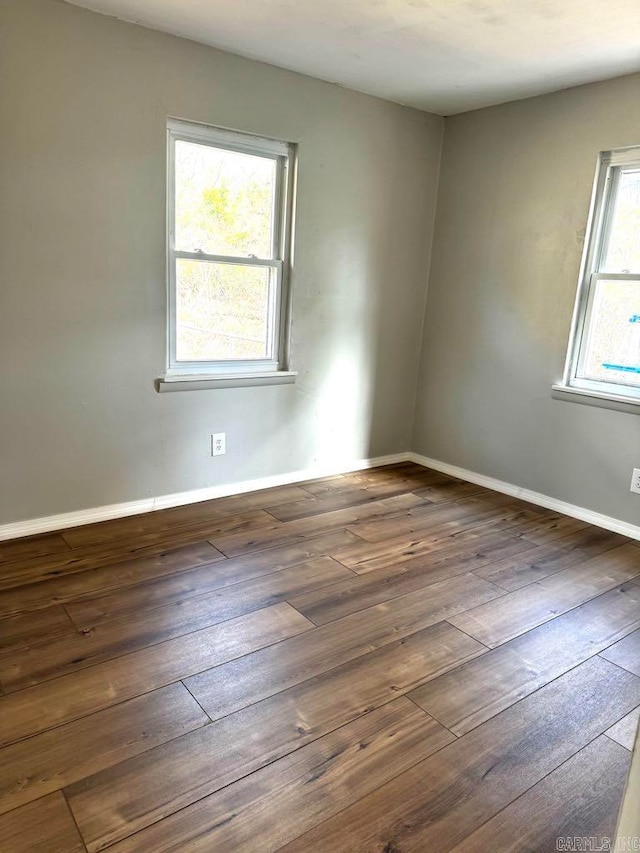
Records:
x=635, y=481
x=218, y=444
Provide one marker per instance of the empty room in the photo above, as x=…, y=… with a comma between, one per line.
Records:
x=319, y=426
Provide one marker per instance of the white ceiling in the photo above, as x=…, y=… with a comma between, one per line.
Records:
x=446, y=56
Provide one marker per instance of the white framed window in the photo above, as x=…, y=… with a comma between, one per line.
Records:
x=229, y=245
x=603, y=358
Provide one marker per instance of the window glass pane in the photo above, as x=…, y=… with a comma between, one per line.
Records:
x=224, y=201
x=613, y=345
x=222, y=311
x=623, y=251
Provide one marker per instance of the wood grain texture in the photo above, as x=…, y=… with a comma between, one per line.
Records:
x=46, y=660
x=578, y=800
x=56, y=758
x=358, y=495
x=447, y=489
x=441, y=801
x=519, y=611
x=52, y=566
x=287, y=533
x=47, y=593
x=625, y=653
x=139, y=792
x=304, y=686
x=243, y=510
x=363, y=557
x=550, y=529
x=474, y=692
x=352, y=594
x=32, y=546
x=87, y=612
x=265, y=672
x=405, y=474
x=625, y=731
x=162, y=537
x=544, y=560
x=38, y=708
x=100, y=554
x=27, y=628
x=281, y=801
x=45, y=826
x=443, y=519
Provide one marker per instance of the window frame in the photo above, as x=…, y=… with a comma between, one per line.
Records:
x=591, y=271
x=283, y=153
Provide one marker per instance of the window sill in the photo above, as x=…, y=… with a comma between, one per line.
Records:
x=588, y=397
x=205, y=382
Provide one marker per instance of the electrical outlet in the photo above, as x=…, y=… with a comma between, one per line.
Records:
x=219, y=444
x=635, y=481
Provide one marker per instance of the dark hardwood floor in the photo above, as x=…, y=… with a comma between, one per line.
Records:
x=383, y=662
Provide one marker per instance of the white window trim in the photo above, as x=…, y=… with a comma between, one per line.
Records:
x=598, y=223
x=223, y=373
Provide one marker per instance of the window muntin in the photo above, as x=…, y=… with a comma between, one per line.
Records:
x=228, y=244
x=604, y=351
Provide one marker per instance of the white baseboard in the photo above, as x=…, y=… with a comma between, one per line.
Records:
x=49, y=523
x=579, y=512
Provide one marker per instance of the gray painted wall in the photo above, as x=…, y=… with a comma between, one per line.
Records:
x=83, y=104
x=514, y=194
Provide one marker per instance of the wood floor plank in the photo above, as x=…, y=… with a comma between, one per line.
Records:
x=472, y=693
x=79, y=694
x=254, y=677
x=444, y=518
x=625, y=653
x=320, y=485
x=27, y=628
x=359, y=555
x=212, y=512
x=363, y=557
x=290, y=796
x=53, y=658
x=356, y=593
x=88, y=612
x=323, y=486
x=182, y=697
x=290, y=532
x=90, y=557
x=442, y=800
x=45, y=826
x=551, y=558
x=49, y=761
x=406, y=475
x=579, y=800
x=38, y=569
x=345, y=498
x=519, y=611
x=137, y=793
x=215, y=522
x=449, y=489
x=625, y=731
x=31, y=546
x=550, y=529
x=258, y=499
x=424, y=517
x=37, y=596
